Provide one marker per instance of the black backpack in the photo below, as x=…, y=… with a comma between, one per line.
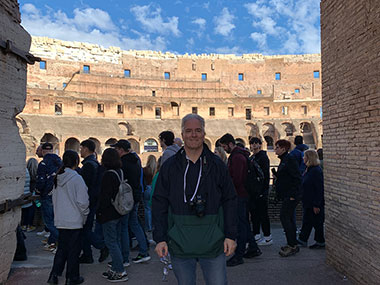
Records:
x=254, y=183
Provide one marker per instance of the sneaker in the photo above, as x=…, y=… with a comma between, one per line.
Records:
x=104, y=252
x=265, y=241
x=54, y=251
x=234, y=261
x=125, y=264
x=30, y=228
x=50, y=247
x=257, y=237
x=318, y=245
x=252, y=253
x=301, y=243
x=23, y=228
x=42, y=233
x=118, y=277
x=141, y=258
x=47, y=235
x=289, y=250
x=107, y=273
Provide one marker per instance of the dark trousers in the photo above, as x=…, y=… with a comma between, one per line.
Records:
x=69, y=246
x=259, y=215
x=27, y=215
x=310, y=221
x=244, y=230
x=87, y=234
x=286, y=216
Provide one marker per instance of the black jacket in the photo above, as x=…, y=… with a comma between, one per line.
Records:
x=312, y=188
x=109, y=187
x=288, y=177
x=215, y=186
x=47, y=169
x=132, y=172
x=263, y=161
x=89, y=172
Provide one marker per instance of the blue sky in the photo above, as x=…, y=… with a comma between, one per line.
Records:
x=262, y=26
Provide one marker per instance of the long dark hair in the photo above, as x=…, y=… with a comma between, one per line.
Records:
x=70, y=159
x=111, y=159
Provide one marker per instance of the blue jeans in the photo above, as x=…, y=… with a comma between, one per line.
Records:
x=111, y=232
x=124, y=237
x=48, y=216
x=137, y=230
x=97, y=239
x=244, y=230
x=214, y=270
x=147, y=208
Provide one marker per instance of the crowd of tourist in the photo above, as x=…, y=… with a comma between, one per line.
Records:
x=197, y=206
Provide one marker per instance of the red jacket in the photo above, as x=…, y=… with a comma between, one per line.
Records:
x=237, y=166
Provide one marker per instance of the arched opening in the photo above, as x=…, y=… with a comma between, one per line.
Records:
x=126, y=128
x=208, y=143
x=48, y=137
x=110, y=141
x=240, y=141
x=72, y=144
x=269, y=141
x=135, y=146
x=150, y=145
x=308, y=134
x=252, y=130
x=22, y=126
x=98, y=148
x=289, y=129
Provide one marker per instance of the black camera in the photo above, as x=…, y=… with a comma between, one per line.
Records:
x=199, y=205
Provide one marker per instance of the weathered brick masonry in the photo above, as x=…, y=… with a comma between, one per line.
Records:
x=12, y=149
x=351, y=124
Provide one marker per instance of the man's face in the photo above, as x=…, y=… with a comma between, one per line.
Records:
x=227, y=147
x=83, y=151
x=279, y=150
x=39, y=151
x=193, y=135
x=255, y=147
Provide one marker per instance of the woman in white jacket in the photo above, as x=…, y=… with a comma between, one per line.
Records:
x=70, y=202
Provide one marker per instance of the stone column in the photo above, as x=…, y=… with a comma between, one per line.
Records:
x=12, y=149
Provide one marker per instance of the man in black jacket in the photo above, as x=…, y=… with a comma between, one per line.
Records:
x=194, y=209
x=131, y=166
x=259, y=201
x=91, y=174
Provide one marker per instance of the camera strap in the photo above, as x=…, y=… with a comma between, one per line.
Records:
x=184, y=181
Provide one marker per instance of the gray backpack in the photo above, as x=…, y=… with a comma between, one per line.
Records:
x=123, y=201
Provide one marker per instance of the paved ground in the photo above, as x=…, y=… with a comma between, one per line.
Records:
x=307, y=267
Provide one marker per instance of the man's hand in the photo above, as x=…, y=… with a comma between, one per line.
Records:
x=316, y=210
x=162, y=249
x=229, y=246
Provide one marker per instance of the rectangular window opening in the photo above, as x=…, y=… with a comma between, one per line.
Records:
x=158, y=112
x=139, y=110
x=127, y=73
x=194, y=110
x=259, y=92
x=79, y=107
x=304, y=108
x=241, y=76
x=278, y=76
x=58, y=108
x=284, y=110
x=43, y=64
x=100, y=108
x=212, y=111
x=266, y=111
x=230, y=111
x=316, y=74
x=86, y=69
x=36, y=104
x=153, y=93
x=248, y=113
x=204, y=76
x=167, y=75
x=297, y=90
x=120, y=109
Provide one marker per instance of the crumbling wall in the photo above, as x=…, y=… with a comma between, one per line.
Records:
x=12, y=149
x=351, y=124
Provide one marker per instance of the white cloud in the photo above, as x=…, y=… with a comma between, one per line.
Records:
x=224, y=23
x=228, y=50
x=200, y=22
x=260, y=39
x=152, y=21
x=87, y=25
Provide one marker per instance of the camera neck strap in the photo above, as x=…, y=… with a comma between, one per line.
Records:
x=184, y=180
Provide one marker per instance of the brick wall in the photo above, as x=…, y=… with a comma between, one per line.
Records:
x=351, y=123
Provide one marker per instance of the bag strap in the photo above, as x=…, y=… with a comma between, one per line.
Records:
x=120, y=178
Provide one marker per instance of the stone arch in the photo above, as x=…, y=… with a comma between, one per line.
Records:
x=150, y=145
x=98, y=148
x=208, y=143
x=135, y=145
x=289, y=128
x=110, y=141
x=22, y=125
x=126, y=127
x=308, y=133
x=50, y=138
x=271, y=135
x=252, y=130
x=72, y=144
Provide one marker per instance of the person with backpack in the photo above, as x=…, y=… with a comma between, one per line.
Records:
x=109, y=217
x=70, y=201
x=46, y=171
x=238, y=168
x=92, y=175
x=259, y=195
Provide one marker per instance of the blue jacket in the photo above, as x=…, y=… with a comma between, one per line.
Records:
x=297, y=152
x=312, y=187
x=92, y=177
x=46, y=171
